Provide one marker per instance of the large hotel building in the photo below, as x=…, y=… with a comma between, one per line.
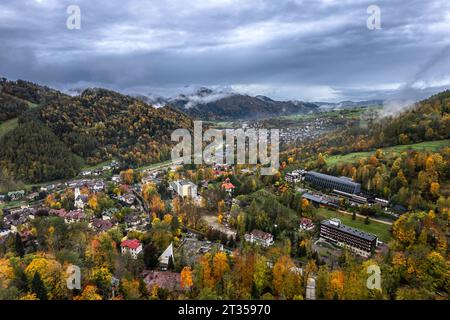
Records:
x=325, y=181
x=357, y=241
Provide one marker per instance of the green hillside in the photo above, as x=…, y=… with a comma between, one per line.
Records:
x=355, y=156
x=7, y=126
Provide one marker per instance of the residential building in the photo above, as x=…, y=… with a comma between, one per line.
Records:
x=165, y=257
x=357, y=241
x=74, y=216
x=325, y=181
x=80, y=199
x=228, y=186
x=184, y=188
x=101, y=225
x=127, y=199
x=306, y=224
x=260, y=238
x=133, y=221
x=133, y=247
x=116, y=178
x=33, y=196
x=293, y=177
x=16, y=195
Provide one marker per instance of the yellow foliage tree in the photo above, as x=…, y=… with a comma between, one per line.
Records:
x=93, y=202
x=220, y=262
x=186, y=278
x=127, y=176
x=206, y=277
x=337, y=279
x=51, y=274
x=6, y=272
x=29, y=296
x=130, y=289
x=89, y=293
x=156, y=204
x=286, y=279
x=167, y=218
x=434, y=189
x=148, y=190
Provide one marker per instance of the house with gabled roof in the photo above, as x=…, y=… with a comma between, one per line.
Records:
x=133, y=247
x=165, y=257
x=260, y=238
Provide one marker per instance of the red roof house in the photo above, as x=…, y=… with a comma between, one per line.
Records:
x=227, y=185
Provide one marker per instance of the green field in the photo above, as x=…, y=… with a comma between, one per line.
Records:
x=355, y=156
x=7, y=126
x=153, y=165
x=11, y=204
x=88, y=167
x=379, y=229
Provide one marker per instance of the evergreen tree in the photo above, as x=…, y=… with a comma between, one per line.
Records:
x=150, y=256
x=170, y=265
x=38, y=287
x=18, y=245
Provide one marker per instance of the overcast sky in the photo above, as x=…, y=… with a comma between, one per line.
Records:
x=317, y=50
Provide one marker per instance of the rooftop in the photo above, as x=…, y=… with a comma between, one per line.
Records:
x=163, y=279
x=348, y=230
x=344, y=180
x=132, y=244
x=261, y=234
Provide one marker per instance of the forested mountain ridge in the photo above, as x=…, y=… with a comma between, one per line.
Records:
x=32, y=152
x=426, y=120
x=100, y=124
x=237, y=106
x=97, y=125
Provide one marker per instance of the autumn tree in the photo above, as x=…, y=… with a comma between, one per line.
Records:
x=50, y=274
x=337, y=282
x=89, y=293
x=220, y=265
x=186, y=278
x=286, y=279
x=261, y=274
x=127, y=176
x=204, y=276
x=323, y=282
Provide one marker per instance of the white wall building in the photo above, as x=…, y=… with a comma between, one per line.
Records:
x=259, y=237
x=133, y=247
x=185, y=188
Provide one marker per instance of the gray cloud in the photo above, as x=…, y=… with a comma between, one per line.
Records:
x=292, y=49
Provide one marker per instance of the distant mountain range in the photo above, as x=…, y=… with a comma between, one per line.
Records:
x=348, y=104
x=221, y=105
x=216, y=104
